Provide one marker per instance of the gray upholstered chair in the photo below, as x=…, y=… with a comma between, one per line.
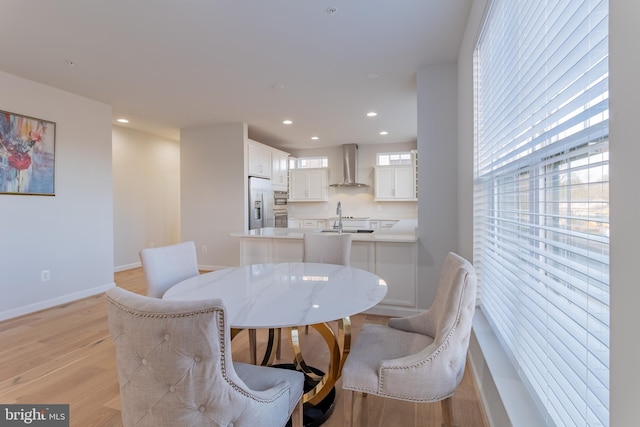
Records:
x=327, y=248
x=419, y=358
x=167, y=265
x=175, y=368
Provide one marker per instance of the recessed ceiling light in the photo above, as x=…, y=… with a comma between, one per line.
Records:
x=315, y=138
x=384, y=132
x=287, y=122
x=123, y=121
x=372, y=114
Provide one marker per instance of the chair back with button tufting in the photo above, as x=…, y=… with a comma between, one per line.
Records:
x=175, y=368
x=420, y=358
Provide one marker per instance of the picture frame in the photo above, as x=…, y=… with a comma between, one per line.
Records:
x=27, y=155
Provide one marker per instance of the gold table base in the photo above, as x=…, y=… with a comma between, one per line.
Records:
x=339, y=346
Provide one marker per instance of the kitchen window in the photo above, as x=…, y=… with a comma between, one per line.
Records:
x=394, y=159
x=541, y=199
x=308, y=162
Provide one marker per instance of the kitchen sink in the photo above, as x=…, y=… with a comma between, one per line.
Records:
x=331, y=230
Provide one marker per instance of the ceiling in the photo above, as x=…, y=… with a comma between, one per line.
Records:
x=169, y=64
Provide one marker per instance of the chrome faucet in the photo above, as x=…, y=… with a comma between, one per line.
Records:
x=339, y=213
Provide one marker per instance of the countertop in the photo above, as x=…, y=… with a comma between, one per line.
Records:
x=403, y=232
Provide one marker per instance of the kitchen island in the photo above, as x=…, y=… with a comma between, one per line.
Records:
x=391, y=254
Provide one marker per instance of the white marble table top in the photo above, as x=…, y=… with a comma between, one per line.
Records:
x=286, y=294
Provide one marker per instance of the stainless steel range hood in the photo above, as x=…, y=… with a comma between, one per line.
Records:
x=349, y=167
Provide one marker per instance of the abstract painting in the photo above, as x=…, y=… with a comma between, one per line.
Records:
x=27, y=155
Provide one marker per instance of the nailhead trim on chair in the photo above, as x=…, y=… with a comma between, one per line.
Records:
x=432, y=356
x=221, y=328
x=161, y=315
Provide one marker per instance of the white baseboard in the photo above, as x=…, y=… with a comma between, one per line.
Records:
x=205, y=267
x=42, y=305
x=125, y=267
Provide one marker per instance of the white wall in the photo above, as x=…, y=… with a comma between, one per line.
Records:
x=213, y=191
x=624, y=63
x=146, y=194
x=356, y=202
x=437, y=177
x=71, y=233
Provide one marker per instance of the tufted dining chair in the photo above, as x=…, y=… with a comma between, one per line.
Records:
x=419, y=358
x=167, y=265
x=175, y=368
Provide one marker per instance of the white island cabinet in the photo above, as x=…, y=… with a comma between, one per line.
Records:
x=393, y=257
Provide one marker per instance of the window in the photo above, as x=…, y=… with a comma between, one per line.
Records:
x=393, y=159
x=309, y=162
x=541, y=199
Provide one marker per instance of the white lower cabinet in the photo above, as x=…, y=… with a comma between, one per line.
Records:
x=311, y=223
x=387, y=224
x=306, y=223
x=395, y=262
x=363, y=256
x=287, y=250
x=256, y=251
x=293, y=223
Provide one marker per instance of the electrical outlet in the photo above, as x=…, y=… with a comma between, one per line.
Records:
x=204, y=249
x=45, y=276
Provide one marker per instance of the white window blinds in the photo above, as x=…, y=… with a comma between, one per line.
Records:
x=541, y=199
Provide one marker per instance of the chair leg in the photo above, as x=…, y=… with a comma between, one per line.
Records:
x=348, y=407
x=296, y=416
x=279, y=344
x=447, y=411
x=252, y=347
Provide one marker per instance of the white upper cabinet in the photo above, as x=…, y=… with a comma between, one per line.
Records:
x=279, y=170
x=268, y=162
x=259, y=157
x=393, y=183
x=308, y=185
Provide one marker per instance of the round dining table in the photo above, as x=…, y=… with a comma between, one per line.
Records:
x=287, y=296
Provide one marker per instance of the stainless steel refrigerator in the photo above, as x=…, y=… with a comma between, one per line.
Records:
x=260, y=203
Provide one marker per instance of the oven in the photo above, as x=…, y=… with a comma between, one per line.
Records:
x=280, y=200
x=281, y=219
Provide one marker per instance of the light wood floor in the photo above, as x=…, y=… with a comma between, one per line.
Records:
x=65, y=355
